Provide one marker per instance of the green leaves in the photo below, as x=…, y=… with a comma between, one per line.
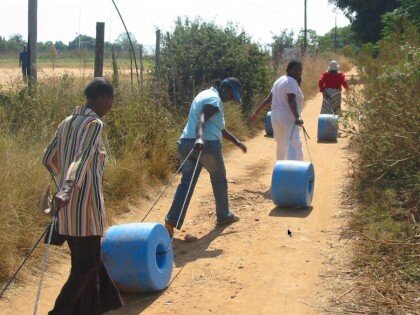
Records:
x=203, y=52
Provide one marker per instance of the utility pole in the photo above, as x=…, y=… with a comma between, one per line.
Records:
x=32, y=38
x=80, y=14
x=99, y=49
x=335, y=35
x=305, y=33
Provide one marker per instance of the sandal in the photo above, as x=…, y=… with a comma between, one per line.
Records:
x=190, y=238
x=227, y=221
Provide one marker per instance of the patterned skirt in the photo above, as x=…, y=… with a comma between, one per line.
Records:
x=332, y=103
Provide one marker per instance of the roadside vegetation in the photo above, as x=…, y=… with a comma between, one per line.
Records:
x=383, y=119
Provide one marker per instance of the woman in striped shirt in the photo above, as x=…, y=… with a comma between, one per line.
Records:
x=77, y=155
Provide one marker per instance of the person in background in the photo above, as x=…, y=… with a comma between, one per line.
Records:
x=77, y=156
x=286, y=100
x=24, y=62
x=330, y=84
x=204, y=132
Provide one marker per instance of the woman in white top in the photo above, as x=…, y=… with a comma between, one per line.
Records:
x=286, y=100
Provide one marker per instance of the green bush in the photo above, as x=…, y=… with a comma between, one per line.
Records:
x=203, y=52
x=383, y=118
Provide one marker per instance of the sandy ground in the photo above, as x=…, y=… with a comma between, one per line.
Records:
x=252, y=266
x=13, y=75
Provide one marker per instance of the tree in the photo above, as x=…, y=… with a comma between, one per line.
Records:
x=60, y=46
x=123, y=42
x=365, y=16
x=18, y=38
x=86, y=42
x=280, y=42
x=202, y=52
x=312, y=40
x=345, y=37
x=408, y=12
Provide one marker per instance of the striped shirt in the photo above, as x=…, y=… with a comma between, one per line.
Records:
x=77, y=153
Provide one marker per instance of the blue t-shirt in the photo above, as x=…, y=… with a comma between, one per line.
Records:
x=214, y=126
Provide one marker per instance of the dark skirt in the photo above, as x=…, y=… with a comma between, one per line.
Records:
x=89, y=289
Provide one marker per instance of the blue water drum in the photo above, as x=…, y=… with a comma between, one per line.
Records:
x=327, y=127
x=292, y=183
x=138, y=256
x=268, y=125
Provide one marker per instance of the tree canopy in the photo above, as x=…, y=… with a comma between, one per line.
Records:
x=366, y=16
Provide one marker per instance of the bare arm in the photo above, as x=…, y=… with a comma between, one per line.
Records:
x=230, y=137
x=265, y=103
x=291, y=98
x=207, y=113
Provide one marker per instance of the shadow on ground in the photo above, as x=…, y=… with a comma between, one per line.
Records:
x=291, y=212
x=266, y=194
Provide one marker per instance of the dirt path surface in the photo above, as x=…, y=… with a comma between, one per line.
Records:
x=252, y=266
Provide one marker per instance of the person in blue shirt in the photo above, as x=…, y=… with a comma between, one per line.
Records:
x=24, y=62
x=204, y=132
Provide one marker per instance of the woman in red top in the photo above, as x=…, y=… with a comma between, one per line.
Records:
x=330, y=85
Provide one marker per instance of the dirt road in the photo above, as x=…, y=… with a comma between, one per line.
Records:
x=250, y=267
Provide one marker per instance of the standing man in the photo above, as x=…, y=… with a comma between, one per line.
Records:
x=286, y=100
x=204, y=132
x=77, y=155
x=24, y=61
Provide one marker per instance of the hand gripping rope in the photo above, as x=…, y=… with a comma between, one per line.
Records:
x=306, y=136
x=50, y=227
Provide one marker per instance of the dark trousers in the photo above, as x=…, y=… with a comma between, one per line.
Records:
x=25, y=72
x=89, y=289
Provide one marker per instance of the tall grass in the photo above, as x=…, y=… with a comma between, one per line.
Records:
x=383, y=119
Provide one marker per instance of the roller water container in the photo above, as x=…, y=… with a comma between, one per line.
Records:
x=292, y=183
x=138, y=256
x=268, y=125
x=327, y=127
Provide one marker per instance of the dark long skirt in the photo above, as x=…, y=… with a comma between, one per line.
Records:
x=89, y=289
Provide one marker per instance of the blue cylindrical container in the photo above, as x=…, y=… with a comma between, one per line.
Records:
x=268, y=125
x=327, y=127
x=138, y=256
x=292, y=183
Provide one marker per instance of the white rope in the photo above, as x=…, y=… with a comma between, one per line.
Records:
x=44, y=265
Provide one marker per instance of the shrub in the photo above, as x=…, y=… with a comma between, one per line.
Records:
x=383, y=118
x=203, y=52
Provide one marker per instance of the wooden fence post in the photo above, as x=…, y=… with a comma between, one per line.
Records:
x=115, y=77
x=99, y=49
x=157, y=61
x=141, y=69
x=32, y=39
x=173, y=68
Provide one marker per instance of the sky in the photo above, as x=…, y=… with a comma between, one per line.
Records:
x=64, y=19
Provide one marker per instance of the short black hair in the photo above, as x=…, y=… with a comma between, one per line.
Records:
x=292, y=63
x=99, y=86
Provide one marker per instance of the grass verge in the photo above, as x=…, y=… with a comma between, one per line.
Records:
x=383, y=121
